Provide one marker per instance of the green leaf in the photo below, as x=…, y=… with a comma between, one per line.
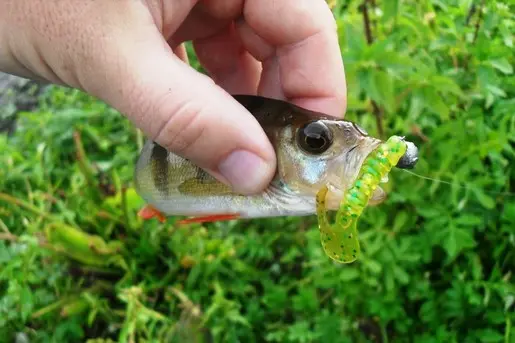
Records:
x=446, y=85
x=486, y=76
x=373, y=266
x=348, y=274
x=507, y=35
x=400, y=221
x=275, y=336
x=385, y=87
x=496, y=91
x=301, y=332
x=306, y=300
x=276, y=298
x=4, y=254
x=468, y=220
x=489, y=336
x=417, y=104
x=401, y=274
x=390, y=9
x=26, y=302
x=435, y=103
x=355, y=38
x=456, y=240
x=484, y=199
x=378, y=85
x=508, y=213
x=503, y=65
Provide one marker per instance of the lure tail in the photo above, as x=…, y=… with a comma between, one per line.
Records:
x=340, y=241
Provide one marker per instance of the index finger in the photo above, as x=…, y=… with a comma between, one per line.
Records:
x=297, y=42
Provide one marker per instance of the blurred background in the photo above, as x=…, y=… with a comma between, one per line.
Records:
x=78, y=265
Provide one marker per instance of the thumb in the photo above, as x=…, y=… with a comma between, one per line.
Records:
x=185, y=112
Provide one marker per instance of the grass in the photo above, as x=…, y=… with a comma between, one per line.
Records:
x=77, y=264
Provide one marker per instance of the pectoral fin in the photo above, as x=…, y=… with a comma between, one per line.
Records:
x=149, y=212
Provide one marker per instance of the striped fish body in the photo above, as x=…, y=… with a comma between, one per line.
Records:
x=312, y=149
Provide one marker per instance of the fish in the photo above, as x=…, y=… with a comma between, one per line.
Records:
x=313, y=150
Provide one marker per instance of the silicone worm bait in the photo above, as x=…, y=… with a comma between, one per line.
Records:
x=340, y=240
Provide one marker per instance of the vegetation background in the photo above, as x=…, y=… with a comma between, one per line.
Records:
x=77, y=265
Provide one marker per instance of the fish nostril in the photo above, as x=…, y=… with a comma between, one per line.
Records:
x=410, y=157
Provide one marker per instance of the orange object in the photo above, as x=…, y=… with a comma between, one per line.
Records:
x=209, y=219
x=149, y=212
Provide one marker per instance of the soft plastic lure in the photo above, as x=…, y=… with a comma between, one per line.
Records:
x=340, y=240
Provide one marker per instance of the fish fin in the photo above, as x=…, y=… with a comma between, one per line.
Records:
x=149, y=212
x=209, y=218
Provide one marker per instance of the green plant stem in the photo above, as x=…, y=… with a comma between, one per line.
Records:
x=4, y=227
x=507, y=331
x=84, y=165
x=18, y=202
x=125, y=208
x=471, y=12
x=378, y=112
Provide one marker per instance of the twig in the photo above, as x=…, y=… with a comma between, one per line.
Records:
x=8, y=237
x=472, y=10
x=378, y=112
x=125, y=209
x=366, y=22
x=18, y=202
x=400, y=97
x=418, y=132
x=478, y=22
x=84, y=165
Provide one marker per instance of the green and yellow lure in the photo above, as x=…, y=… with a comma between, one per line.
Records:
x=340, y=240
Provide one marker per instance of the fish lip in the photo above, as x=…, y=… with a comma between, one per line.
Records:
x=372, y=145
x=410, y=157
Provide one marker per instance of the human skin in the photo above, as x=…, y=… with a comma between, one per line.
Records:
x=130, y=54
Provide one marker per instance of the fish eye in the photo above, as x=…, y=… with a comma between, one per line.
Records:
x=314, y=137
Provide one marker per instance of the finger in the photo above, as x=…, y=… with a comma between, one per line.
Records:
x=118, y=54
x=186, y=112
x=180, y=52
x=228, y=63
x=270, y=82
x=222, y=9
x=303, y=34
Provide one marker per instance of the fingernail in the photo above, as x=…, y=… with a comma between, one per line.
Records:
x=245, y=171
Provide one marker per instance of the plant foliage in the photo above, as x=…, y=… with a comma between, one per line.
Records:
x=78, y=265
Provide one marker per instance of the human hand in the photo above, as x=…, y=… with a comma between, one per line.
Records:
x=129, y=53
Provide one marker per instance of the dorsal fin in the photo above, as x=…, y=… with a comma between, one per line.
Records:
x=273, y=112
